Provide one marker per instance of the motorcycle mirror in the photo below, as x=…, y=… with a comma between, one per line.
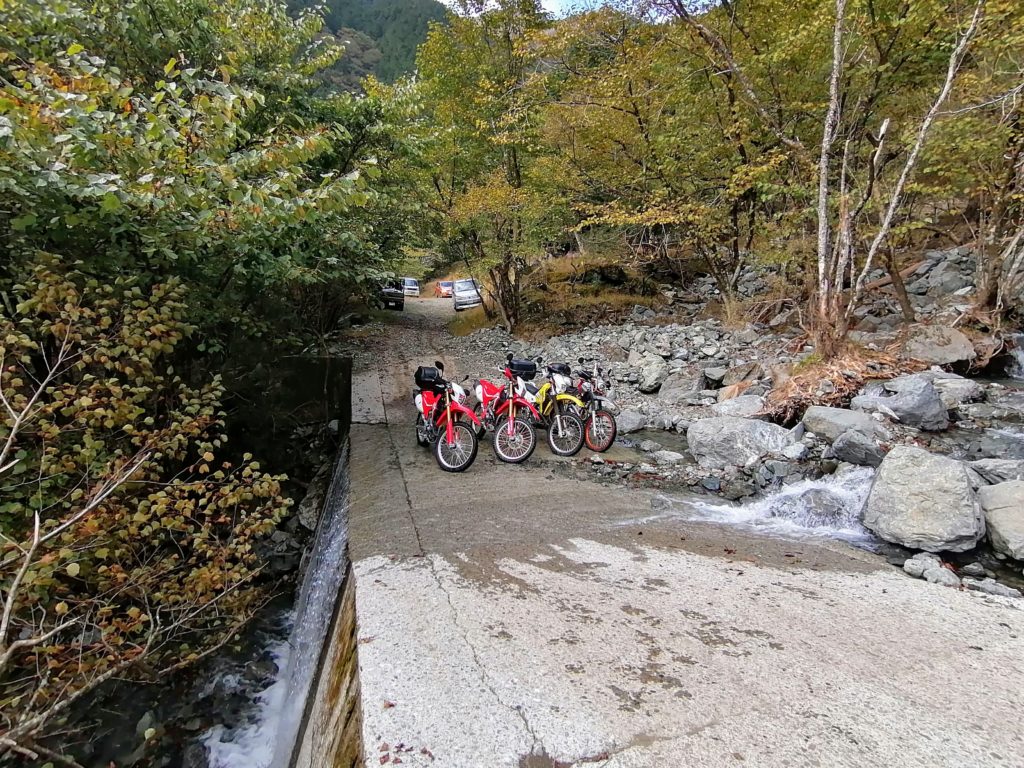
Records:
x=439, y=365
x=540, y=359
x=581, y=361
x=509, y=357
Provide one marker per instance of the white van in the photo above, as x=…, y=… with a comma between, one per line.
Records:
x=411, y=286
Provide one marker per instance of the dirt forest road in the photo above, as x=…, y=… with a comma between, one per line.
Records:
x=511, y=617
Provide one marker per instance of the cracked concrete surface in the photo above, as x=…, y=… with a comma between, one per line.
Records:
x=511, y=617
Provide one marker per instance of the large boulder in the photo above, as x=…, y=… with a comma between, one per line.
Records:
x=830, y=423
x=630, y=421
x=916, y=404
x=743, y=406
x=995, y=471
x=1004, y=513
x=857, y=448
x=652, y=375
x=936, y=345
x=953, y=389
x=923, y=501
x=729, y=441
x=677, y=387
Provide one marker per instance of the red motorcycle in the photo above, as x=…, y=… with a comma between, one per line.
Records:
x=439, y=404
x=499, y=407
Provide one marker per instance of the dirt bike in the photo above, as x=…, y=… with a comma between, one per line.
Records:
x=440, y=404
x=504, y=409
x=599, y=424
x=557, y=409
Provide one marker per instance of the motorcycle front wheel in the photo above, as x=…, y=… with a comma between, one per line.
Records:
x=565, y=435
x=601, y=430
x=459, y=454
x=514, y=445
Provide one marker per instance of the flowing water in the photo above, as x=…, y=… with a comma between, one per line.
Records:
x=1016, y=369
x=825, y=508
x=275, y=724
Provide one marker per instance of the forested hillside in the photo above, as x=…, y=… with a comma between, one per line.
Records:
x=380, y=36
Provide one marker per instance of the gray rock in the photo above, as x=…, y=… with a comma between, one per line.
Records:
x=795, y=452
x=630, y=421
x=652, y=375
x=677, y=387
x=923, y=501
x=664, y=423
x=921, y=562
x=916, y=404
x=936, y=345
x=740, y=373
x=996, y=471
x=830, y=423
x=743, y=406
x=1003, y=505
x=942, y=576
x=668, y=457
x=649, y=446
x=715, y=374
x=729, y=441
x=973, y=569
x=991, y=587
x=953, y=389
x=857, y=448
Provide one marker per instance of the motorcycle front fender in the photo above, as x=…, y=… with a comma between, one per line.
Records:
x=564, y=398
x=522, y=402
x=606, y=402
x=459, y=408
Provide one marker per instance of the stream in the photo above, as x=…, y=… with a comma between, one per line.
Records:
x=272, y=728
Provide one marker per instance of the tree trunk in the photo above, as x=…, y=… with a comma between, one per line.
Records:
x=899, y=286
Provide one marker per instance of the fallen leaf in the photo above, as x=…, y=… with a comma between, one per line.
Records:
x=389, y=704
x=385, y=759
x=384, y=747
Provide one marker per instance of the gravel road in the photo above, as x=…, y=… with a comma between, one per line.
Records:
x=514, y=616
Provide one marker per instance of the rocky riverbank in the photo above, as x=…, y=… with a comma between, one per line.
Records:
x=946, y=450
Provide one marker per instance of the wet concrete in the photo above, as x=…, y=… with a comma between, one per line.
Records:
x=509, y=616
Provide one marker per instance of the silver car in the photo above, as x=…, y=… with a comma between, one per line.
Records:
x=466, y=294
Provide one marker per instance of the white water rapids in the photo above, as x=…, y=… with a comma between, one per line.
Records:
x=825, y=508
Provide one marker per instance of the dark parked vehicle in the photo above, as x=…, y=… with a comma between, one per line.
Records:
x=392, y=294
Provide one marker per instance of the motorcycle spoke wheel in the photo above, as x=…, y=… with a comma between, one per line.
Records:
x=516, y=446
x=421, y=431
x=565, y=435
x=458, y=455
x=601, y=431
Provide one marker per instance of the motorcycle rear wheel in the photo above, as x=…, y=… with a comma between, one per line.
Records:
x=601, y=430
x=565, y=434
x=480, y=428
x=460, y=455
x=514, y=448
x=421, y=430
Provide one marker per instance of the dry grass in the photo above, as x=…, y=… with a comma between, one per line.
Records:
x=469, y=320
x=848, y=374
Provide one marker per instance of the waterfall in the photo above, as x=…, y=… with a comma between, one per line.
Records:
x=268, y=741
x=1016, y=369
x=829, y=507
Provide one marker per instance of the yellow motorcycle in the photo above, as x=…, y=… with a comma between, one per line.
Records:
x=556, y=409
